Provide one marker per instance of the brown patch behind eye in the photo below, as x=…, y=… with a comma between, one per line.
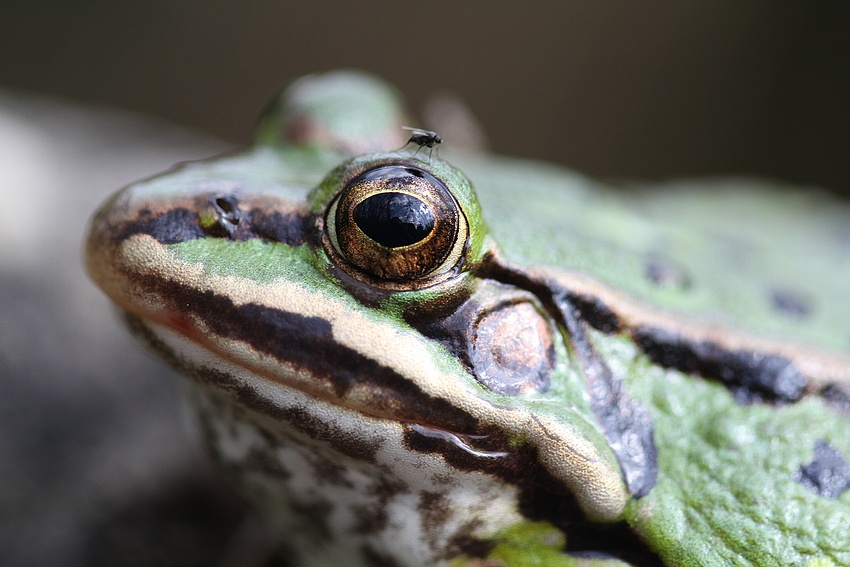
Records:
x=512, y=350
x=502, y=335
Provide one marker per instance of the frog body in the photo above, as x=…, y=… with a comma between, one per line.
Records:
x=402, y=369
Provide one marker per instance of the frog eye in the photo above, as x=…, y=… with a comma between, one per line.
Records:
x=395, y=225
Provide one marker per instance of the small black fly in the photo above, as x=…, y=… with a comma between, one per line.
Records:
x=423, y=139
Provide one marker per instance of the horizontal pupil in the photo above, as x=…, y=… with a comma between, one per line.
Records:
x=394, y=219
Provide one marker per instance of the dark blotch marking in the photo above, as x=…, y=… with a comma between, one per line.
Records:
x=317, y=513
x=541, y=498
x=625, y=422
x=837, y=396
x=752, y=377
x=370, y=519
x=328, y=471
x=434, y=510
x=828, y=474
x=373, y=519
x=182, y=224
x=790, y=304
x=264, y=460
x=466, y=545
x=594, y=311
x=286, y=228
x=663, y=273
x=299, y=418
x=308, y=342
x=170, y=227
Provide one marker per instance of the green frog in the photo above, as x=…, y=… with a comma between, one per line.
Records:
x=411, y=354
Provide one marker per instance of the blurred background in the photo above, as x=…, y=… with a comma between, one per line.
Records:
x=94, y=466
x=643, y=90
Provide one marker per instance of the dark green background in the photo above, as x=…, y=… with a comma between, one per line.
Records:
x=618, y=89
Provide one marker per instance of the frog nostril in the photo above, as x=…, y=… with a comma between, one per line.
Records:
x=227, y=209
x=221, y=217
x=223, y=204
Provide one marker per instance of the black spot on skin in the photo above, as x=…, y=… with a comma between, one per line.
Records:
x=373, y=518
x=329, y=472
x=664, y=274
x=751, y=376
x=316, y=516
x=790, y=304
x=434, y=510
x=264, y=460
x=837, y=396
x=468, y=546
x=370, y=519
x=286, y=228
x=183, y=224
x=170, y=227
x=828, y=474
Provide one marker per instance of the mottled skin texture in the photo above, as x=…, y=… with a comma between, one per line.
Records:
x=575, y=372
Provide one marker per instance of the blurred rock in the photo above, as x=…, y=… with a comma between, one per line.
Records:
x=90, y=426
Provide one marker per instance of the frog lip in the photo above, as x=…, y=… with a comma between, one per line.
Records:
x=296, y=350
x=281, y=402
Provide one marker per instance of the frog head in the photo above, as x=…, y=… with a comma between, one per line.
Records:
x=357, y=317
x=393, y=382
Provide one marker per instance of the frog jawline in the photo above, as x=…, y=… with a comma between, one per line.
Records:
x=140, y=321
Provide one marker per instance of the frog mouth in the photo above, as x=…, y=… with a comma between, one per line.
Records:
x=363, y=443
x=295, y=350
